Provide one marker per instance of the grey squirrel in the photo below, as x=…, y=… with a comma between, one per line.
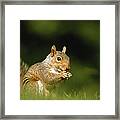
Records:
x=53, y=69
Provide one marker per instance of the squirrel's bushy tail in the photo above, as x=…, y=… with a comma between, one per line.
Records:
x=23, y=69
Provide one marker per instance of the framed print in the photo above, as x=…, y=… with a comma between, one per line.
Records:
x=60, y=59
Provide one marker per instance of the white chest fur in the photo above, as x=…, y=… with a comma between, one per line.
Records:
x=40, y=85
x=52, y=70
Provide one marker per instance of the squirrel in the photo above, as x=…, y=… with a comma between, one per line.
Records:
x=39, y=76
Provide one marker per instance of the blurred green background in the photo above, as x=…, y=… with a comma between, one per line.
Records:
x=82, y=39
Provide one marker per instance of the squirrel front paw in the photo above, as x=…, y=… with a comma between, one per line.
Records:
x=66, y=74
x=69, y=74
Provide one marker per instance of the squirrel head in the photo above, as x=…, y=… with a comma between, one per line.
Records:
x=58, y=59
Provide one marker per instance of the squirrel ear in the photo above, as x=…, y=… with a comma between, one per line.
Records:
x=53, y=51
x=64, y=49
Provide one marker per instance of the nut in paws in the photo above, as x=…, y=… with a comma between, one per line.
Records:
x=66, y=75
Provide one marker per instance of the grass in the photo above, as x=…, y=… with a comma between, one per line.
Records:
x=60, y=93
x=66, y=96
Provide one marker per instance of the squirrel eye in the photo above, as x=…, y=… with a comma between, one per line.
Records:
x=59, y=58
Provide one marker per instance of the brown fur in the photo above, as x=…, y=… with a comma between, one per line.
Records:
x=48, y=72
